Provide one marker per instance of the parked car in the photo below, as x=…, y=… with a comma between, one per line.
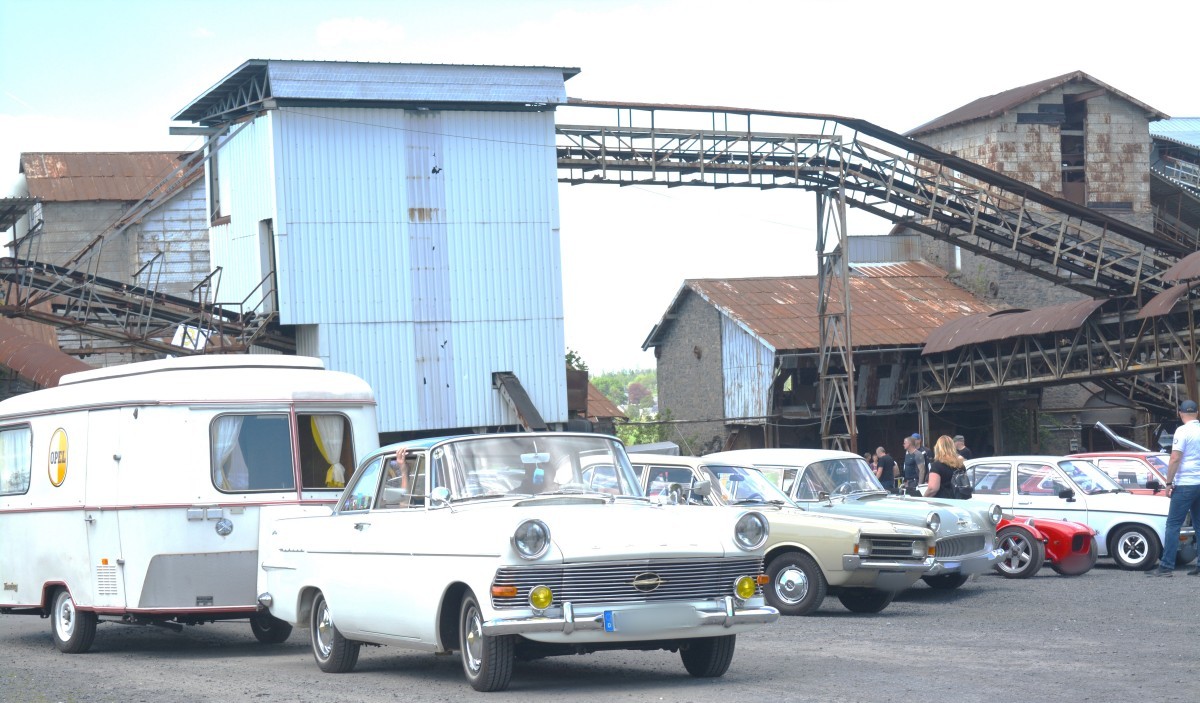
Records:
x=863, y=562
x=1029, y=543
x=840, y=483
x=1129, y=528
x=494, y=545
x=1136, y=472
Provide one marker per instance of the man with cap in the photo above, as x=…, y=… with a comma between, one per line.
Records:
x=1183, y=486
x=960, y=443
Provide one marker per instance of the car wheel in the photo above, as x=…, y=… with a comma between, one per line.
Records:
x=797, y=584
x=1186, y=555
x=865, y=600
x=1023, y=554
x=1077, y=563
x=334, y=653
x=487, y=661
x=708, y=657
x=1135, y=548
x=269, y=629
x=74, y=629
x=945, y=582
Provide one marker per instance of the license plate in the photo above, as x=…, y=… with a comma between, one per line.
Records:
x=649, y=619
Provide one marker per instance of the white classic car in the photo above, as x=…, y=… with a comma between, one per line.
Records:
x=863, y=562
x=1129, y=528
x=515, y=546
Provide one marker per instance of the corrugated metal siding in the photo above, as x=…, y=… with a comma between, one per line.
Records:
x=244, y=169
x=178, y=229
x=748, y=366
x=325, y=80
x=883, y=249
x=438, y=235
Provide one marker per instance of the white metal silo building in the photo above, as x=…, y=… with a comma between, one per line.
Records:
x=403, y=219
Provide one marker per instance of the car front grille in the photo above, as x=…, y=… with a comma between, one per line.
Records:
x=600, y=582
x=959, y=545
x=898, y=548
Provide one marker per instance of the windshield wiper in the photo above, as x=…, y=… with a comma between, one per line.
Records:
x=758, y=501
x=482, y=496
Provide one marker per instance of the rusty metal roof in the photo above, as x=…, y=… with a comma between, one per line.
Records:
x=1164, y=302
x=13, y=209
x=998, y=104
x=1186, y=268
x=123, y=176
x=24, y=350
x=892, y=305
x=599, y=406
x=1004, y=324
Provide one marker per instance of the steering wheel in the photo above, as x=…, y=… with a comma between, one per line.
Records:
x=844, y=488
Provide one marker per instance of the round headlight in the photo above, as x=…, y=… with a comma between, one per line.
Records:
x=531, y=539
x=745, y=587
x=750, y=532
x=933, y=521
x=995, y=514
x=540, y=597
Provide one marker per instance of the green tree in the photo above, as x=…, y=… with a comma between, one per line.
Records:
x=575, y=361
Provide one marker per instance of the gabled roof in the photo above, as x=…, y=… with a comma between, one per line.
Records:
x=600, y=407
x=892, y=305
x=124, y=176
x=998, y=104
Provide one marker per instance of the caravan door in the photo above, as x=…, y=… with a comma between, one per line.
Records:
x=101, y=451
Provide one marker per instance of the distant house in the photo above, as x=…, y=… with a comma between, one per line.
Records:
x=738, y=358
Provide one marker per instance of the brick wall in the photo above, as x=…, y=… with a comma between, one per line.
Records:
x=691, y=387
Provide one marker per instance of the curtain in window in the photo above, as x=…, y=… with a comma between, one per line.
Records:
x=329, y=431
x=227, y=430
x=15, y=459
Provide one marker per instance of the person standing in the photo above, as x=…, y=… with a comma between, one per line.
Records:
x=1183, y=486
x=913, y=463
x=960, y=443
x=924, y=458
x=941, y=472
x=885, y=469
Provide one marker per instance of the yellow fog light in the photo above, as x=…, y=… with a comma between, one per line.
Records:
x=540, y=597
x=745, y=587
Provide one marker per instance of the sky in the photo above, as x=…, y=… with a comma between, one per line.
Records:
x=101, y=75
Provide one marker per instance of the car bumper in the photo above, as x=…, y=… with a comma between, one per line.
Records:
x=714, y=614
x=971, y=564
x=889, y=575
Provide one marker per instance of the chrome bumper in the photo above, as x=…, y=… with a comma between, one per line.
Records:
x=890, y=575
x=724, y=614
x=973, y=564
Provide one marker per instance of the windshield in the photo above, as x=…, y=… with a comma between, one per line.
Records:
x=1158, y=461
x=736, y=484
x=534, y=465
x=836, y=477
x=1087, y=477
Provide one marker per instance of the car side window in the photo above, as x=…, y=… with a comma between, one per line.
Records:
x=660, y=478
x=1130, y=473
x=991, y=479
x=1038, y=480
x=362, y=492
x=403, y=486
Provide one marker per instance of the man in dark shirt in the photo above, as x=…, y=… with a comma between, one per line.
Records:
x=885, y=469
x=960, y=443
x=914, y=461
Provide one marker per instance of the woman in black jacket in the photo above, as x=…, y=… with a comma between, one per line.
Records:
x=941, y=472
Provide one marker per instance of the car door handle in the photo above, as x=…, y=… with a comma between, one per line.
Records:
x=360, y=526
x=1024, y=502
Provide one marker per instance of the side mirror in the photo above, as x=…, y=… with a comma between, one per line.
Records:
x=822, y=495
x=1154, y=485
x=702, y=488
x=439, y=497
x=1067, y=494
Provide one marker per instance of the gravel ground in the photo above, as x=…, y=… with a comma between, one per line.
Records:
x=1108, y=635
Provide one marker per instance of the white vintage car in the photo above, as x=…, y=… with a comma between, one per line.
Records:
x=515, y=546
x=863, y=562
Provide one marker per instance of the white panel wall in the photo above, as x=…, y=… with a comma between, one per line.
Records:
x=423, y=246
x=749, y=367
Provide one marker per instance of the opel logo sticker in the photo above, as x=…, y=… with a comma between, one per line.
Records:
x=647, y=582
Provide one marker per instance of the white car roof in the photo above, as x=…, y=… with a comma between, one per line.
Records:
x=1027, y=458
x=779, y=457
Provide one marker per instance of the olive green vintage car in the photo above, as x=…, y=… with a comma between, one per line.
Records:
x=863, y=562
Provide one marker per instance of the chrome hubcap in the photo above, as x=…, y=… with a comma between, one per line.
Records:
x=474, y=641
x=324, y=631
x=1017, y=553
x=791, y=585
x=1133, y=547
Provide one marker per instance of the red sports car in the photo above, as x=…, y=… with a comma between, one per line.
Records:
x=1136, y=472
x=1028, y=543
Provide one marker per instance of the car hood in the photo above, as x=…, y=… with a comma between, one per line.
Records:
x=807, y=519
x=910, y=511
x=1130, y=503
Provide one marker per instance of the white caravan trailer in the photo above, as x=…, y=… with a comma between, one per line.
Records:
x=138, y=493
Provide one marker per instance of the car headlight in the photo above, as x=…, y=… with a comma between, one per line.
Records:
x=751, y=531
x=531, y=539
x=933, y=521
x=995, y=514
x=919, y=549
x=745, y=587
x=540, y=597
x=864, y=548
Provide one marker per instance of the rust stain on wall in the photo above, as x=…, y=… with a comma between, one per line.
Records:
x=422, y=214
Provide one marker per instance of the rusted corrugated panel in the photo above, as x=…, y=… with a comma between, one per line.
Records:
x=1185, y=269
x=897, y=309
x=1005, y=324
x=997, y=104
x=599, y=407
x=34, y=361
x=1162, y=303
x=129, y=176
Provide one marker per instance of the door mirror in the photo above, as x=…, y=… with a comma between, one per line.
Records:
x=702, y=488
x=439, y=497
x=1067, y=494
x=1154, y=485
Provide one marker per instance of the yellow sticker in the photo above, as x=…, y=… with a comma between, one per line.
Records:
x=57, y=466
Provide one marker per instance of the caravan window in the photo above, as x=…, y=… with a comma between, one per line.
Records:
x=326, y=450
x=16, y=457
x=252, y=453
